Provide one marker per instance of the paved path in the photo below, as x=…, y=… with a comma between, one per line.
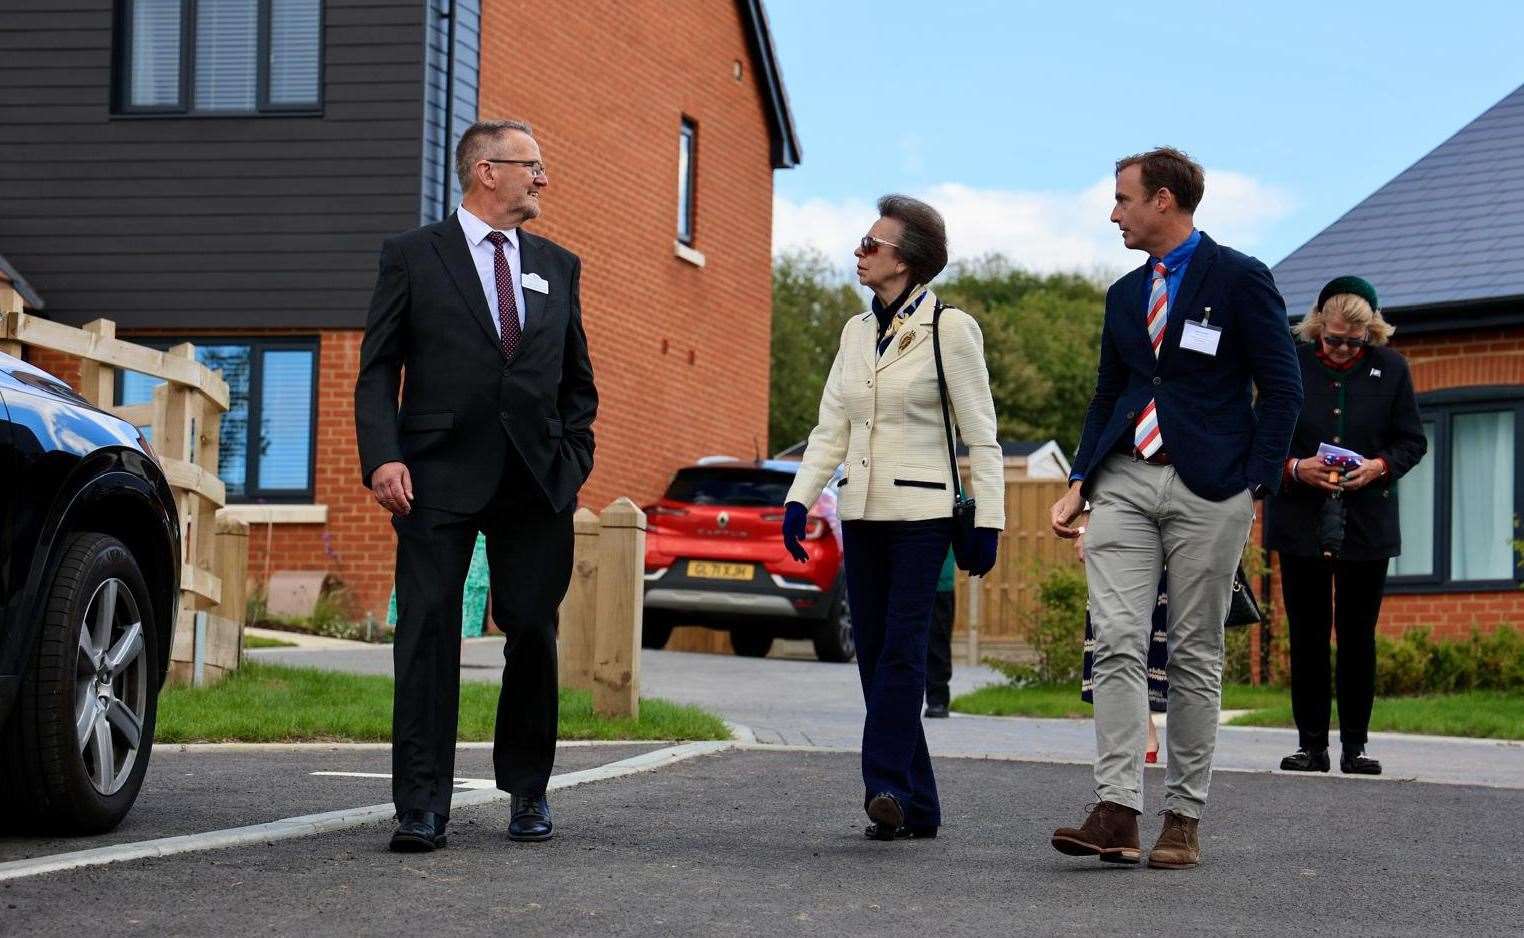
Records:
x=802, y=702
x=769, y=842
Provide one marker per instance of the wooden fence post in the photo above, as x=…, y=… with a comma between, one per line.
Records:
x=224, y=628
x=579, y=610
x=97, y=382
x=10, y=307
x=621, y=588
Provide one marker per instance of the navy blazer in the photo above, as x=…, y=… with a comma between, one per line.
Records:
x=1220, y=439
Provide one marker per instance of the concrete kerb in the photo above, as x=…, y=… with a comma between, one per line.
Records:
x=310, y=824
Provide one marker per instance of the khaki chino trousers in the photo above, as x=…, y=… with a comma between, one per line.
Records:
x=1143, y=518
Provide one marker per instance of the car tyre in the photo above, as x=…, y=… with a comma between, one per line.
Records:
x=654, y=633
x=749, y=643
x=77, y=745
x=833, y=637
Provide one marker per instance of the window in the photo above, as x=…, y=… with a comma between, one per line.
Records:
x=219, y=56
x=265, y=452
x=686, y=157
x=1459, y=507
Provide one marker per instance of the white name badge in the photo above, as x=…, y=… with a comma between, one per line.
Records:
x=536, y=283
x=1200, y=338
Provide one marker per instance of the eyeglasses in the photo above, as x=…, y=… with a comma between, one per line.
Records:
x=869, y=244
x=535, y=167
x=1339, y=341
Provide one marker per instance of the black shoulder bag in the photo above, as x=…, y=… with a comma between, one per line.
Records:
x=963, y=506
x=1244, y=608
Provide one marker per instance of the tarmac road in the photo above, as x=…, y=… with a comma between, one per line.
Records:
x=768, y=841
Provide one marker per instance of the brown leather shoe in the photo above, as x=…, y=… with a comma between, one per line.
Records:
x=1110, y=832
x=1177, y=847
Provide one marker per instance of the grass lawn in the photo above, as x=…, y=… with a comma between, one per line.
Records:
x=259, y=641
x=270, y=703
x=1063, y=700
x=1483, y=714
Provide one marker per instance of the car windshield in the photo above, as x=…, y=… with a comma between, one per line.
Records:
x=741, y=487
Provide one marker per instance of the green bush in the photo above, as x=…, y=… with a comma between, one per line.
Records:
x=1056, y=629
x=1417, y=664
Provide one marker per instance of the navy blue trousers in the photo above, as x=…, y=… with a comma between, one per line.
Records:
x=892, y=569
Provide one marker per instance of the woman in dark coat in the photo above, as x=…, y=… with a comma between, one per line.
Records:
x=1358, y=396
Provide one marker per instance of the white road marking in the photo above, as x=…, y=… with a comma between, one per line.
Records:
x=310, y=824
x=474, y=784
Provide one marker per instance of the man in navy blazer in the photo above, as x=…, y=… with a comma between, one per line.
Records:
x=1175, y=450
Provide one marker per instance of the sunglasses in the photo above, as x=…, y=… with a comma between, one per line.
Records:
x=869, y=244
x=1339, y=341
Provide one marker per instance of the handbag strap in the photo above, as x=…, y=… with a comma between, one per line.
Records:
x=936, y=351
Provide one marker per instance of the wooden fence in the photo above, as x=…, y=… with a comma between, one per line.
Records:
x=993, y=610
x=185, y=417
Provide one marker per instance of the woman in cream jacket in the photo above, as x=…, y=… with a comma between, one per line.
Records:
x=881, y=416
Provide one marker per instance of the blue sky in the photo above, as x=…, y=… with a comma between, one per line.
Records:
x=1008, y=115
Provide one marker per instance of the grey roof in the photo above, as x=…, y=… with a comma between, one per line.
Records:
x=1447, y=230
x=29, y=296
x=785, y=139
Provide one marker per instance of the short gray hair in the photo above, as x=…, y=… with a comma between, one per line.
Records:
x=923, y=245
x=474, y=142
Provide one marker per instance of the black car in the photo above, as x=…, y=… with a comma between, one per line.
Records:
x=89, y=593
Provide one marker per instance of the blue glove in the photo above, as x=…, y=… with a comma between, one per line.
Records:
x=794, y=515
x=986, y=540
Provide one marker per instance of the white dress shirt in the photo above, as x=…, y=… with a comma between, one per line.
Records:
x=482, y=251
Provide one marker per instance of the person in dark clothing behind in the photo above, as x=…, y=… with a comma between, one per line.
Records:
x=1359, y=396
x=944, y=609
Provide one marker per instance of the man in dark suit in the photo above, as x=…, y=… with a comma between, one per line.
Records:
x=1174, y=452
x=493, y=435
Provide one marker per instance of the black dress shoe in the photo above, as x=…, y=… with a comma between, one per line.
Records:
x=1356, y=762
x=936, y=712
x=418, y=832
x=887, y=815
x=1306, y=760
x=531, y=819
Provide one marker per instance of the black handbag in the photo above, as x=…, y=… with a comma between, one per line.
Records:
x=1244, y=608
x=963, y=544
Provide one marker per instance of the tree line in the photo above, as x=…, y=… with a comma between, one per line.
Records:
x=1041, y=340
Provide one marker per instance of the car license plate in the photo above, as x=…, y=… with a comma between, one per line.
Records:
x=708, y=570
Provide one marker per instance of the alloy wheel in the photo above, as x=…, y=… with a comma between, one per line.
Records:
x=111, y=686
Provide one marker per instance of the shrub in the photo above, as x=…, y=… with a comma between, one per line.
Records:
x=1417, y=664
x=1056, y=628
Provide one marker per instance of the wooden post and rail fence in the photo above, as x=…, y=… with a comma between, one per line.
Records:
x=185, y=421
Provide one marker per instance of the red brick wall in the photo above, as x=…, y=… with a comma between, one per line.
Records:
x=606, y=89
x=680, y=352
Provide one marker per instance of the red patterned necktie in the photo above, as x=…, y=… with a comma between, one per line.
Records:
x=1145, y=436
x=509, y=333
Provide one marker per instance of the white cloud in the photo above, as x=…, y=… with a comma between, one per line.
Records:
x=1039, y=230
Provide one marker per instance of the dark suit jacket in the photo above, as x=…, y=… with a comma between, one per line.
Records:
x=464, y=407
x=1221, y=440
x=1372, y=410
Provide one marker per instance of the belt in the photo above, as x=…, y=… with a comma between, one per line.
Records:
x=1159, y=458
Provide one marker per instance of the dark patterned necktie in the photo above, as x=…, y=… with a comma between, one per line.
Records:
x=509, y=333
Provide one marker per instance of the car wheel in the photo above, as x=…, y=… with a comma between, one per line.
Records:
x=78, y=742
x=749, y=643
x=654, y=634
x=833, y=637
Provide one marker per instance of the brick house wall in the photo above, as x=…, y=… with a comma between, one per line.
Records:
x=681, y=352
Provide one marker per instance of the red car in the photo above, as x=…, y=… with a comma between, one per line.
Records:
x=715, y=557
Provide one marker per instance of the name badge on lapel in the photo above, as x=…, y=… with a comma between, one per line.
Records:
x=536, y=283
x=1200, y=337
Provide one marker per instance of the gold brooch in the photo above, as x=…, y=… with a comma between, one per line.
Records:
x=908, y=338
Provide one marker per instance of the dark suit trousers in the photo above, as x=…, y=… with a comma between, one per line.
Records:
x=939, y=649
x=892, y=569
x=529, y=554
x=1347, y=595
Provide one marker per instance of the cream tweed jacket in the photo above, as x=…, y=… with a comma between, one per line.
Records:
x=881, y=416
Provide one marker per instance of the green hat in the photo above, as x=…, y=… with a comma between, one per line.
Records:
x=1359, y=286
